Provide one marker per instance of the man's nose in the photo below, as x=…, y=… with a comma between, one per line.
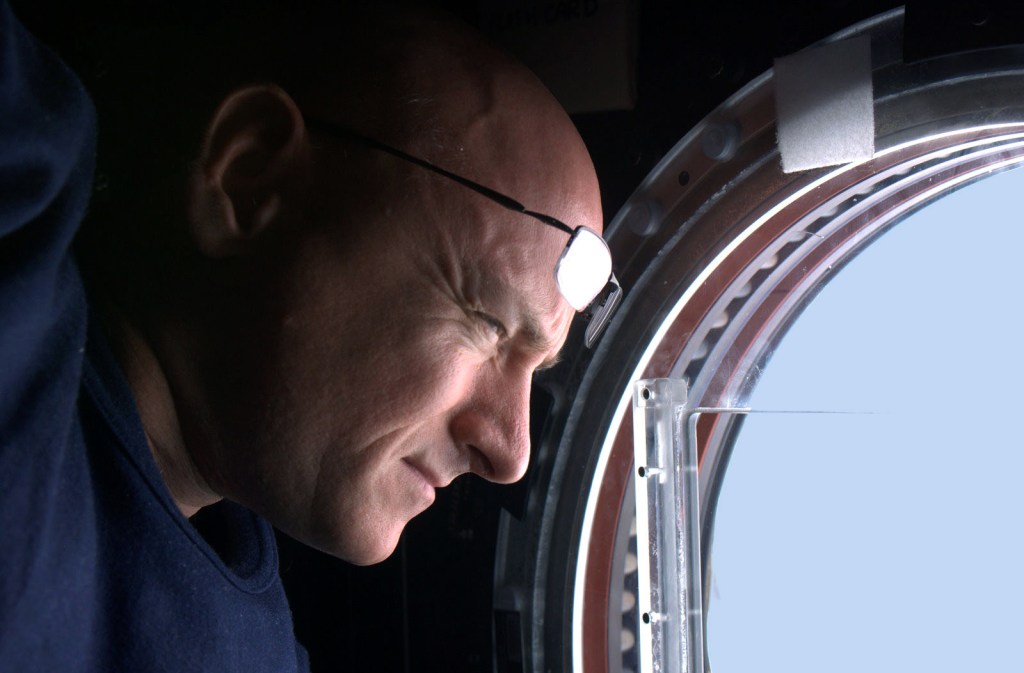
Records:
x=493, y=424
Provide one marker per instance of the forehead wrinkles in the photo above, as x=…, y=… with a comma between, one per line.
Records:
x=519, y=270
x=500, y=249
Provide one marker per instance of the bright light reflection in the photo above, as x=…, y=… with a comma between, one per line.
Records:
x=584, y=268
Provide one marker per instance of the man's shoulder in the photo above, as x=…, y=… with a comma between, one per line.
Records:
x=105, y=574
x=47, y=136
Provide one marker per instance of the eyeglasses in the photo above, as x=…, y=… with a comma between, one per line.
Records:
x=583, y=272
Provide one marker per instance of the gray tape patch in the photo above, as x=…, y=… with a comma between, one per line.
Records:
x=824, y=103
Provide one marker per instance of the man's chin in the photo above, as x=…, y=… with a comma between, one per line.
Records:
x=359, y=535
x=363, y=547
x=372, y=555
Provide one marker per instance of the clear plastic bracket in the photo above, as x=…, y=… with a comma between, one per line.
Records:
x=671, y=638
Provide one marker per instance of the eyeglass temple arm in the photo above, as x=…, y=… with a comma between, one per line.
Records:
x=499, y=198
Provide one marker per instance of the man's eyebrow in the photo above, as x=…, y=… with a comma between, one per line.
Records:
x=536, y=341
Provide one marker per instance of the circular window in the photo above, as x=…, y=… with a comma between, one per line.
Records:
x=718, y=267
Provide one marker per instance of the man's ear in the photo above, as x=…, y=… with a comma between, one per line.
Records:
x=251, y=157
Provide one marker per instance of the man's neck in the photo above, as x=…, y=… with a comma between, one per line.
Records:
x=157, y=410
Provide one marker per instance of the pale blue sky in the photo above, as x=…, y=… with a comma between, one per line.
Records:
x=887, y=542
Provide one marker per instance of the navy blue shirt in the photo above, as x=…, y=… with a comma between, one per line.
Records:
x=99, y=570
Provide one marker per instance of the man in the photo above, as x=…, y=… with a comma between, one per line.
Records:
x=290, y=312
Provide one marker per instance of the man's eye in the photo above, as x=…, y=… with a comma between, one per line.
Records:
x=492, y=324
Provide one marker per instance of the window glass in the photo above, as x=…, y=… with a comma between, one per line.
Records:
x=889, y=540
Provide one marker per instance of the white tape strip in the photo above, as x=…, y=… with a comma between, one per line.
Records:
x=824, y=103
